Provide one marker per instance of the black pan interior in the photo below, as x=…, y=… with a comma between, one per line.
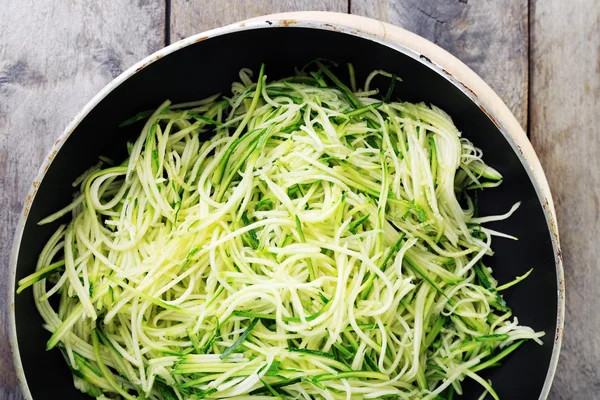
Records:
x=210, y=66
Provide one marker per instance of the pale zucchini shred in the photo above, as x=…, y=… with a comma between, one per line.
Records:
x=269, y=260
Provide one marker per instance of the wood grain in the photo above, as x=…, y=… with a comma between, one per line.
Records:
x=54, y=56
x=489, y=36
x=191, y=17
x=565, y=116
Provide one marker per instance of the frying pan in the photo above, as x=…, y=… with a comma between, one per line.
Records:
x=207, y=63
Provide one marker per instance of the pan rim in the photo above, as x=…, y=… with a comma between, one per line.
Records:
x=401, y=40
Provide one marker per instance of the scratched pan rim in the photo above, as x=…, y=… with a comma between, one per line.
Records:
x=401, y=40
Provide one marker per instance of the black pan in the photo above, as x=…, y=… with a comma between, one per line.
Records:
x=208, y=63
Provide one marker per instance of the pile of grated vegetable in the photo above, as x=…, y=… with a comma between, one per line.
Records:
x=301, y=239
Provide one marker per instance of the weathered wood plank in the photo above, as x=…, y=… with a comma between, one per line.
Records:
x=565, y=115
x=191, y=17
x=489, y=36
x=54, y=56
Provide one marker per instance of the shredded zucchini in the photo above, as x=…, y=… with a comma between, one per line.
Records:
x=299, y=239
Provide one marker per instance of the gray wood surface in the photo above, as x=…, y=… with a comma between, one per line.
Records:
x=191, y=17
x=565, y=121
x=488, y=36
x=56, y=54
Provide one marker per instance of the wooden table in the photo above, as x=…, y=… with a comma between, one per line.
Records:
x=542, y=58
